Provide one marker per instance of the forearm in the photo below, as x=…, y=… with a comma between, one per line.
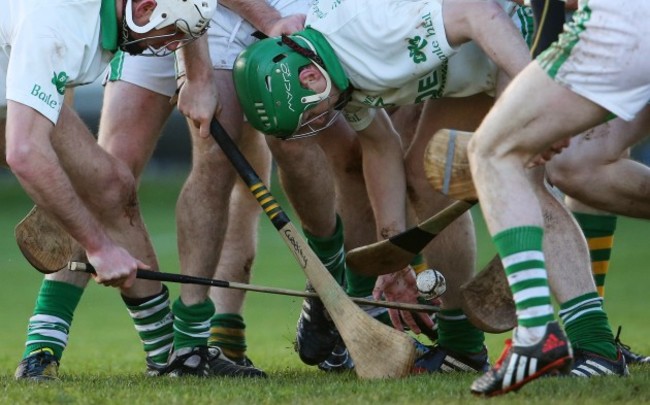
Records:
x=257, y=12
x=198, y=96
x=35, y=164
x=194, y=59
x=487, y=24
x=383, y=168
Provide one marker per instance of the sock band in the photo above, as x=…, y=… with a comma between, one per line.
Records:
x=521, y=252
x=50, y=324
x=192, y=323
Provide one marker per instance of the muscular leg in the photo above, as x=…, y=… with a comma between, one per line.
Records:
x=202, y=208
x=343, y=152
x=511, y=197
x=595, y=168
x=307, y=182
x=442, y=253
x=238, y=253
x=130, y=136
x=239, y=247
x=601, y=181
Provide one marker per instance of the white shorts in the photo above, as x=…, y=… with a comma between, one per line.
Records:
x=228, y=35
x=603, y=55
x=45, y=50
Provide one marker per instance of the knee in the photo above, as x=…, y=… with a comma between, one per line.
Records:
x=569, y=175
x=479, y=153
x=116, y=192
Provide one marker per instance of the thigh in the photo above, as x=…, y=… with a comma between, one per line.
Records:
x=605, y=143
x=131, y=122
x=532, y=114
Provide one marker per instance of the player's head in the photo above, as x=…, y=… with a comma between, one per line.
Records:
x=161, y=26
x=284, y=88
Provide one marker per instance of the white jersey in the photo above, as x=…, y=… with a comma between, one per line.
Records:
x=604, y=55
x=395, y=52
x=228, y=35
x=48, y=45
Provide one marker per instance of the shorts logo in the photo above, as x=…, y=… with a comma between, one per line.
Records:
x=59, y=80
x=37, y=91
x=415, y=49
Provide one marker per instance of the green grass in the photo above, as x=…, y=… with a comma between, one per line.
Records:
x=104, y=361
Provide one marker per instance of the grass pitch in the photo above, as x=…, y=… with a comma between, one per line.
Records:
x=104, y=363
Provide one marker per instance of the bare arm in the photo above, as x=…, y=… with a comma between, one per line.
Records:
x=266, y=18
x=383, y=168
x=198, y=96
x=487, y=24
x=34, y=162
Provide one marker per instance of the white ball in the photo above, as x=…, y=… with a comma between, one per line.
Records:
x=431, y=284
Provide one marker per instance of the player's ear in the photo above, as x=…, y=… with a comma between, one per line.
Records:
x=142, y=10
x=309, y=76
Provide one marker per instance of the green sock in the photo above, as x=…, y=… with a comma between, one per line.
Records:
x=49, y=326
x=599, y=232
x=330, y=251
x=521, y=252
x=192, y=323
x=228, y=332
x=361, y=287
x=456, y=332
x=154, y=323
x=587, y=326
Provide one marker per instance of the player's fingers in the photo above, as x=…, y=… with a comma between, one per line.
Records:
x=128, y=281
x=395, y=319
x=204, y=129
x=424, y=319
x=410, y=322
x=143, y=266
x=377, y=293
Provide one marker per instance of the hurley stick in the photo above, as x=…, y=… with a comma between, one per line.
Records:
x=378, y=351
x=395, y=253
x=43, y=242
x=447, y=166
x=447, y=169
x=184, y=279
x=487, y=299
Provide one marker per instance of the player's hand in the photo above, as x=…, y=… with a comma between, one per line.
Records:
x=198, y=100
x=400, y=287
x=286, y=25
x=114, y=266
x=547, y=155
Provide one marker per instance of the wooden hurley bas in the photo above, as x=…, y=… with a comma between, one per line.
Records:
x=447, y=166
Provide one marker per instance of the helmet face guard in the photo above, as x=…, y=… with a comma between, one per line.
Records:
x=190, y=17
x=267, y=81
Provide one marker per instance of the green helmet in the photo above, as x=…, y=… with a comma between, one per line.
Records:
x=266, y=77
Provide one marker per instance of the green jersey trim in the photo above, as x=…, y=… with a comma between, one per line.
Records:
x=108, y=18
x=116, y=67
x=554, y=57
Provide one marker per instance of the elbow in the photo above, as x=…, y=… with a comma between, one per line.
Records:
x=20, y=158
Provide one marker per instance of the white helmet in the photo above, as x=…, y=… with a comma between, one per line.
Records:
x=190, y=16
